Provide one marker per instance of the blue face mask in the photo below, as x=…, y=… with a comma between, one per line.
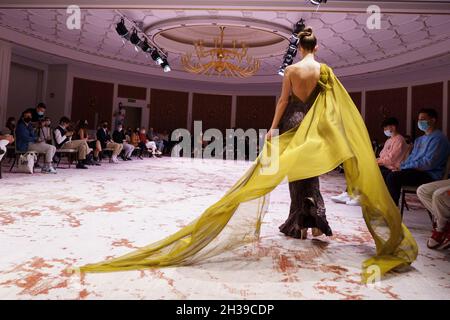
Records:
x=423, y=125
x=388, y=133
x=40, y=113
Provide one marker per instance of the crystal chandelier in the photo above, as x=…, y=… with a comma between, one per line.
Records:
x=220, y=61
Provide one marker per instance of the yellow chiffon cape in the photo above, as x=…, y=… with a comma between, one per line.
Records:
x=332, y=132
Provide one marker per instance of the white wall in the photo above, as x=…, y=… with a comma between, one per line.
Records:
x=25, y=89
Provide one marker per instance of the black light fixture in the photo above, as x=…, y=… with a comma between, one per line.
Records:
x=292, y=50
x=156, y=57
x=318, y=2
x=133, y=37
x=121, y=28
x=165, y=66
x=298, y=27
x=294, y=40
x=145, y=46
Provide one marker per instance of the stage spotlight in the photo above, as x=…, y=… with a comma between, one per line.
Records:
x=299, y=26
x=318, y=2
x=121, y=28
x=134, y=39
x=288, y=59
x=165, y=66
x=145, y=46
x=294, y=41
x=292, y=50
x=156, y=57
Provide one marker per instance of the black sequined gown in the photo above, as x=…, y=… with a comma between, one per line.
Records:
x=307, y=207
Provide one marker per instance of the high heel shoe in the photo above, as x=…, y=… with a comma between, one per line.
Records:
x=316, y=232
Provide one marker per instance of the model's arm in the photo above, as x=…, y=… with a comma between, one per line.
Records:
x=282, y=102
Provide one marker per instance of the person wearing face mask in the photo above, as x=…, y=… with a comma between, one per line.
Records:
x=38, y=112
x=120, y=138
x=428, y=159
x=63, y=140
x=146, y=143
x=45, y=132
x=26, y=140
x=106, y=142
x=395, y=148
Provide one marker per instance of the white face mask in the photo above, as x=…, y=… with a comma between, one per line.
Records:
x=388, y=133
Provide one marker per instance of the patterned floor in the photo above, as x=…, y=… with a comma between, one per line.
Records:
x=50, y=222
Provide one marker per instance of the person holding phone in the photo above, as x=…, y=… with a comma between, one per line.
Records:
x=63, y=140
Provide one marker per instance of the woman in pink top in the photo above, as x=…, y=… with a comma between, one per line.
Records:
x=395, y=148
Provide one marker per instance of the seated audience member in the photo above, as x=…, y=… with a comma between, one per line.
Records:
x=106, y=142
x=10, y=126
x=38, y=112
x=428, y=159
x=136, y=142
x=5, y=139
x=120, y=137
x=63, y=140
x=164, y=136
x=147, y=143
x=435, y=196
x=45, y=132
x=82, y=134
x=395, y=148
x=26, y=140
x=153, y=136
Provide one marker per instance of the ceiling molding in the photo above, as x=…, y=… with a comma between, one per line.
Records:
x=424, y=6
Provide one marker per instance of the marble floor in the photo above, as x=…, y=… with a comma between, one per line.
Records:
x=51, y=222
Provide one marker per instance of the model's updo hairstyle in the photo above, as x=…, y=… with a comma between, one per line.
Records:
x=308, y=40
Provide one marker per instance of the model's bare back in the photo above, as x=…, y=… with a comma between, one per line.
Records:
x=304, y=76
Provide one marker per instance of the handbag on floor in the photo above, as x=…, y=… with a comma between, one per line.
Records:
x=26, y=162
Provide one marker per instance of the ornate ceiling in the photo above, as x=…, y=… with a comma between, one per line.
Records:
x=346, y=43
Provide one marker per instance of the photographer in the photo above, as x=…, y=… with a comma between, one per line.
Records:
x=63, y=140
x=26, y=140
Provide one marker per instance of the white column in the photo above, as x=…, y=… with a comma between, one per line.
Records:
x=409, y=111
x=363, y=104
x=189, y=113
x=233, y=111
x=5, y=66
x=445, y=110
